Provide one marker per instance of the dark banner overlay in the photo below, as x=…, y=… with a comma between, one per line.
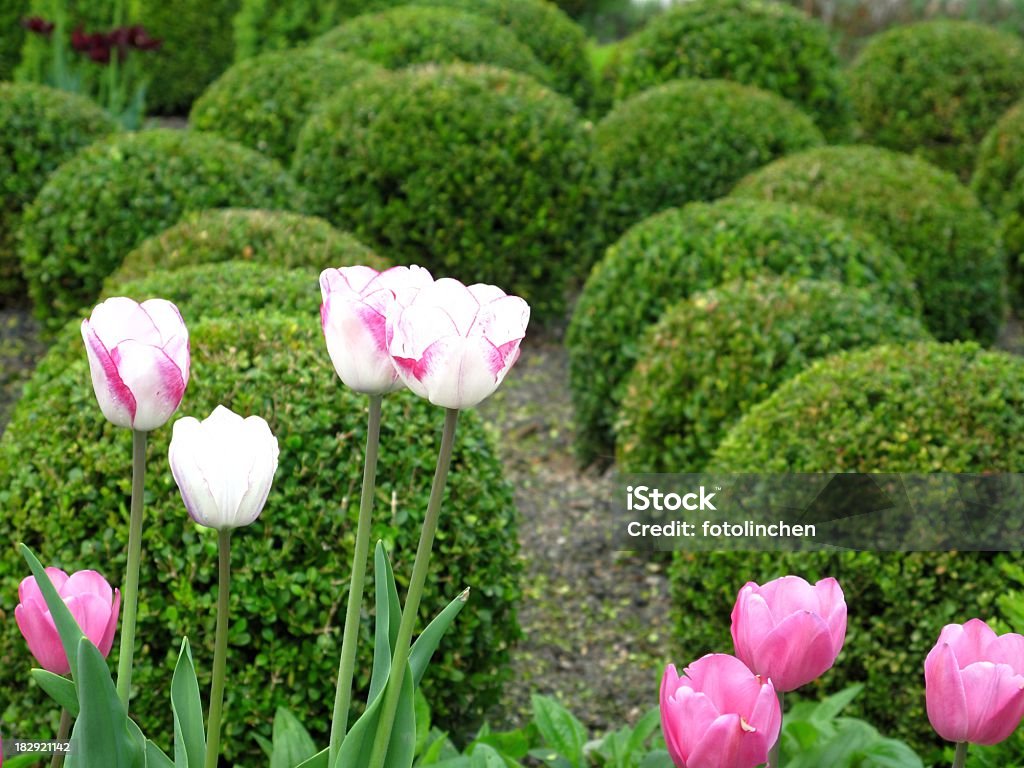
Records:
x=896, y=513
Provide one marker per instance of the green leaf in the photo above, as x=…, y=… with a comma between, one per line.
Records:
x=430, y=638
x=155, y=757
x=58, y=688
x=292, y=743
x=830, y=707
x=319, y=760
x=68, y=629
x=646, y=726
x=358, y=744
x=657, y=759
x=422, y=721
x=560, y=729
x=187, y=707
x=389, y=616
x=28, y=760
x=889, y=753
x=485, y=756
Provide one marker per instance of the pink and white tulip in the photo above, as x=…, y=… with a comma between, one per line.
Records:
x=974, y=683
x=139, y=359
x=356, y=301
x=224, y=466
x=788, y=630
x=718, y=714
x=453, y=344
x=91, y=601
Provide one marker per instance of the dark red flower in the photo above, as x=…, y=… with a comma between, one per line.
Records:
x=140, y=39
x=38, y=25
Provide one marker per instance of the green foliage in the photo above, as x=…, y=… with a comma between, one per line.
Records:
x=712, y=357
x=757, y=43
x=40, y=128
x=65, y=487
x=11, y=14
x=112, y=195
x=555, y=40
x=274, y=238
x=664, y=259
x=475, y=172
x=691, y=140
x=934, y=223
x=898, y=603
x=407, y=35
x=263, y=102
x=936, y=88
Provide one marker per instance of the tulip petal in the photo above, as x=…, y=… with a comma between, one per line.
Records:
x=28, y=590
x=726, y=681
x=969, y=641
x=1007, y=649
x=262, y=466
x=454, y=372
x=459, y=303
x=120, y=318
x=153, y=378
x=87, y=583
x=504, y=320
x=995, y=701
x=115, y=399
x=41, y=635
x=945, y=696
x=789, y=594
x=92, y=615
x=796, y=652
x=685, y=717
x=722, y=745
x=107, y=639
x=766, y=716
x=196, y=492
x=832, y=607
x=752, y=621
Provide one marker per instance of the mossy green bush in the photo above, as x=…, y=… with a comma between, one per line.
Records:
x=935, y=88
x=713, y=356
x=758, y=43
x=264, y=101
x=109, y=197
x=410, y=34
x=65, y=489
x=275, y=238
x=468, y=170
x=664, y=259
x=40, y=128
x=555, y=39
x=935, y=224
x=691, y=140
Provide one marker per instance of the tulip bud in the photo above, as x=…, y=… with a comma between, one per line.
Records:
x=974, y=683
x=224, y=466
x=91, y=601
x=718, y=714
x=139, y=359
x=453, y=344
x=789, y=631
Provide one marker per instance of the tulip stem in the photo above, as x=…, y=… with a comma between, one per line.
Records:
x=412, y=599
x=62, y=735
x=220, y=652
x=350, y=638
x=131, y=582
x=775, y=755
x=960, y=759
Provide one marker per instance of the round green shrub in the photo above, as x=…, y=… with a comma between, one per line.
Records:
x=409, y=34
x=935, y=88
x=691, y=140
x=664, y=259
x=933, y=222
x=112, y=195
x=277, y=238
x=40, y=128
x=472, y=171
x=713, y=356
x=65, y=489
x=556, y=40
x=263, y=102
x=763, y=44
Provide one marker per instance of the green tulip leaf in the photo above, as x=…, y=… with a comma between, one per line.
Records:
x=427, y=642
x=189, y=737
x=28, y=760
x=58, y=688
x=389, y=616
x=319, y=760
x=68, y=629
x=357, y=747
x=155, y=757
x=292, y=744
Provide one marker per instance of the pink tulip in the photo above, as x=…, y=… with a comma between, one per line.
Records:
x=139, y=358
x=719, y=714
x=974, y=683
x=454, y=344
x=91, y=601
x=789, y=631
x=353, y=317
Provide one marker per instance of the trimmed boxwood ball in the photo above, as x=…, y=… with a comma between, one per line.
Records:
x=935, y=88
x=65, y=488
x=276, y=238
x=691, y=140
x=107, y=199
x=712, y=357
x=667, y=257
x=263, y=102
x=40, y=128
x=471, y=171
x=407, y=35
x=763, y=44
x=935, y=224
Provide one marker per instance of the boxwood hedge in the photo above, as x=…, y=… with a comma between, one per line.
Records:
x=713, y=356
x=65, y=489
x=263, y=102
x=691, y=140
x=40, y=128
x=664, y=259
x=469, y=170
x=764, y=44
x=933, y=222
x=935, y=88
x=108, y=198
